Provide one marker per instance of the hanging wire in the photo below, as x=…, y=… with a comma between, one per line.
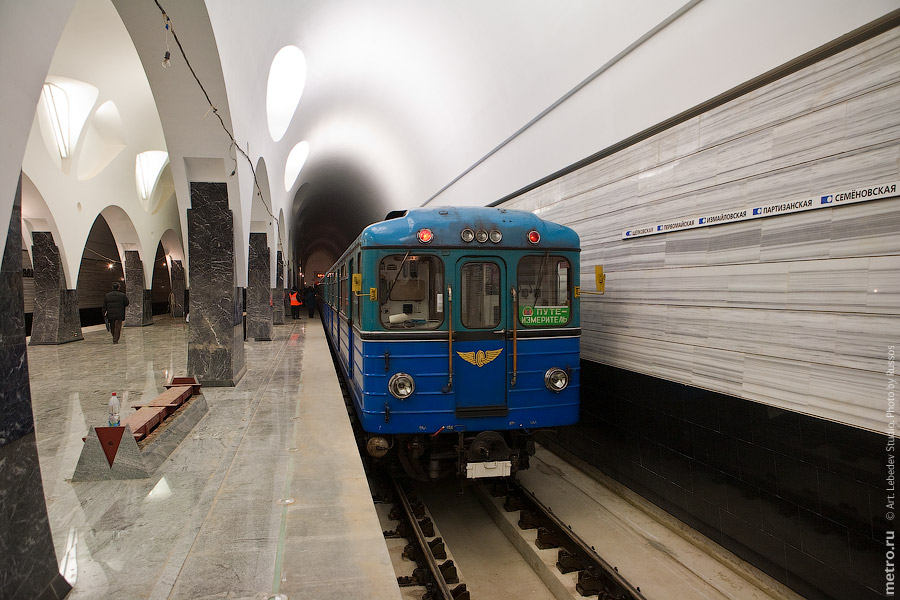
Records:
x=170, y=29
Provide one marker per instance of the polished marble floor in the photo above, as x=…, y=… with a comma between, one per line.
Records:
x=263, y=498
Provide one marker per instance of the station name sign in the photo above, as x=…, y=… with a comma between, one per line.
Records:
x=848, y=196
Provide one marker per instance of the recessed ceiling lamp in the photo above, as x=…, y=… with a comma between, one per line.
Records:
x=295, y=161
x=147, y=167
x=287, y=76
x=57, y=104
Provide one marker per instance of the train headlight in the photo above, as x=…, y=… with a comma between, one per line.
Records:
x=556, y=379
x=534, y=236
x=401, y=386
x=496, y=236
x=467, y=235
x=481, y=235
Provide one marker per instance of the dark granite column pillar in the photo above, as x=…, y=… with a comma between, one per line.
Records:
x=28, y=567
x=139, y=311
x=56, y=319
x=259, y=294
x=216, y=333
x=278, y=292
x=178, y=287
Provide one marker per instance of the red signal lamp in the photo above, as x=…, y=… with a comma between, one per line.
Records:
x=534, y=237
x=425, y=235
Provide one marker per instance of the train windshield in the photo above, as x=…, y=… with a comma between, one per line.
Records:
x=544, y=291
x=411, y=291
x=480, y=297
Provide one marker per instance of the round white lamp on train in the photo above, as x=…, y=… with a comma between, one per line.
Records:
x=401, y=386
x=556, y=379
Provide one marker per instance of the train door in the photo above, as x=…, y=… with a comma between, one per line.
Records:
x=480, y=349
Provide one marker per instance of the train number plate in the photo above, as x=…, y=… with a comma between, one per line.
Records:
x=493, y=468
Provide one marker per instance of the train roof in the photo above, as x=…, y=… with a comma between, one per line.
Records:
x=447, y=222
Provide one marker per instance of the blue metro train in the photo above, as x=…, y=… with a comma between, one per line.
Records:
x=457, y=330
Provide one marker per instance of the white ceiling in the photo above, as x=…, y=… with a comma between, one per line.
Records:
x=403, y=97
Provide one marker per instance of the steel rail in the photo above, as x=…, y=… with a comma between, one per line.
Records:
x=617, y=587
x=436, y=576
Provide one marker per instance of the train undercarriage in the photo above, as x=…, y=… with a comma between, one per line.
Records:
x=466, y=455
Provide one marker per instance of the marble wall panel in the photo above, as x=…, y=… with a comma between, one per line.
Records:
x=871, y=118
x=830, y=386
x=861, y=341
x=810, y=136
x=613, y=195
x=687, y=325
x=694, y=172
x=678, y=141
x=592, y=176
x=641, y=156
x=672, y=361
x=879, y=163
x=717, y=369
x=724, y=122
x=838, y=285
x=883, y=290
x=744, y=157
x=278, y=292
x=793, y=382
x=782, y=100
x=866, y=229
x=139, y=311
x=687, y=248
x=215, y=336
x=762, y=285
x=801, y=236
x=178, y=287
x=847, y=74
x=28, y=567
x=788, y=183
x=782, y=293
x=260, y=321
x=55, y=319
x=734, y=243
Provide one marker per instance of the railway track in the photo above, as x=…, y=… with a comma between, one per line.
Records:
x=433, y=574
x=594, y=576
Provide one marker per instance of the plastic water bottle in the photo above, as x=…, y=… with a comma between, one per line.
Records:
x=113, y=410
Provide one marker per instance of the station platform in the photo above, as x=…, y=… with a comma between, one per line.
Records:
x=265, y=498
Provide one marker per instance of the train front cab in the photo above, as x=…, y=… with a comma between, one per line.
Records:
x=512, y=366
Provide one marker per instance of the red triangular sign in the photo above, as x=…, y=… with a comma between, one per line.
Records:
x=110, y=438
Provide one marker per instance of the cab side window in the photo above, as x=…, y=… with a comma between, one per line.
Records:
x=411, y=291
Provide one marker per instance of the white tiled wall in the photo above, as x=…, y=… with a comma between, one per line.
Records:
x=795, y=311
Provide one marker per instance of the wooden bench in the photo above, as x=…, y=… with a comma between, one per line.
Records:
x=148, y=416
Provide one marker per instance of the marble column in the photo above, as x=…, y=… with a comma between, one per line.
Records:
x=139, y=311
x=178, y=287
x=278, y=292
x=216, y=333
x=56, y=319
x=259, y=294
x=28, y=567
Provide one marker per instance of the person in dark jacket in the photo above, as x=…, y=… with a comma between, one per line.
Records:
x=114, y=304
x=311, y=300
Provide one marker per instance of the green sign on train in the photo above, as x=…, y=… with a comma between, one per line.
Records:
x=544, y=315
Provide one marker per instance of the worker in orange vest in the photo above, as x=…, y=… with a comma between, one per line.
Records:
x=295, y=304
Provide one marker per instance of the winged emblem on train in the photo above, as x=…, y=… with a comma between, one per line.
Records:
x=480, y=358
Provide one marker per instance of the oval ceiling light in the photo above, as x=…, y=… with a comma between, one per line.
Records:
x=147, y=168
x=287, y=76
x=295, y=161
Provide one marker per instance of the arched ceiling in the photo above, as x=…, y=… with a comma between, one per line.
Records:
x=405, y=102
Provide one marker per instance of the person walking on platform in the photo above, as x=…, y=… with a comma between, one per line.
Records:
x=295, y=304
x=311, y=300
x=114, y=304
